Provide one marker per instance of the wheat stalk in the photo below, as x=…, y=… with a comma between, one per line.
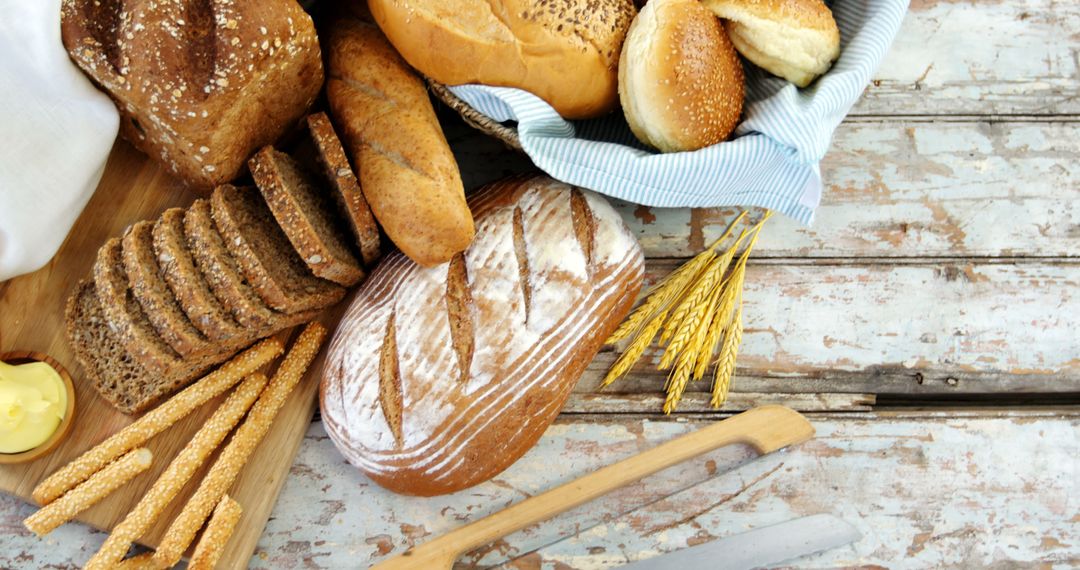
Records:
x=694, y=310
x=725, y=365
x=634, y=351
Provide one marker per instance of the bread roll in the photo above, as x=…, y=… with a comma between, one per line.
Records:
x=680, y=80
x=794, y=39
x=199, y=85
x=387, y=124
x=566, y=52
x=438, y=379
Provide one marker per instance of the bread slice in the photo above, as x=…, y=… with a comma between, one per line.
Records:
x=124, y=315
x=347, y=193
x=264, y=255
x=115, y=374
x=302, y=211
x=220, y=269
x=153, y=294
x=187, y=282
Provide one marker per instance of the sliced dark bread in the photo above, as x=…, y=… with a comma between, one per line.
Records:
x=187, y=282
x=154, y=296
x=265, y=256
x=347, y=193
x=124, y=315
x=113, y=372
x=303, y=213
x=221, y=270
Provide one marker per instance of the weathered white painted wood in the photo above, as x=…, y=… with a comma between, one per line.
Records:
x=960, y=57
x=587, y=403
x=811, y=319
x=914, y=189
x=925, y=490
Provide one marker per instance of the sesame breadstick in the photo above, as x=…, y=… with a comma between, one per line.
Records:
x=156, y=420
x=89, y=492
x=212, y=543
x=177, y=474
x=232, y=458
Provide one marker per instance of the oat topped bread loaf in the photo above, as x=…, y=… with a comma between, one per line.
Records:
x=199, y=85
x=439, y=378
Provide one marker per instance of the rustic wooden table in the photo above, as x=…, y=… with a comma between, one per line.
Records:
x=929, y=323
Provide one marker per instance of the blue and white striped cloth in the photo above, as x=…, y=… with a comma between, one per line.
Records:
x=772, y=162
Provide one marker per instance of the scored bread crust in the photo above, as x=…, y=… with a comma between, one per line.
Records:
x=153, y=294
x=794, y=39
x=564, y=51
x=680, y=81
x=439, y=378
x=303, y=213
x=199, y=85
x=347, y=194
x=264, y=254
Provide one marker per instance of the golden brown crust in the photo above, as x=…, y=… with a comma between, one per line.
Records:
x=564, y=51
x=681, y=79
x=387, y=123
x=802, y=13
x=191, y=79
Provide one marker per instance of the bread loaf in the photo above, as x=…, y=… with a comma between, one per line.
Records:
x=387, y=124
x=439, y=378
x=199, y=85
x=565, y=51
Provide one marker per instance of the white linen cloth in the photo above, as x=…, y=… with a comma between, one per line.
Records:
x=57, y=130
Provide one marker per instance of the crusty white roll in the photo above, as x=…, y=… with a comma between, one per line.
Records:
x=680, y=80
x=564, y=51
x=794, y=39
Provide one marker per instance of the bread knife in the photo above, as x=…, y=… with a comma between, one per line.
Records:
x=759, y=547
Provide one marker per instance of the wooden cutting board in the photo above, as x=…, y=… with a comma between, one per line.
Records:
x=32, y=318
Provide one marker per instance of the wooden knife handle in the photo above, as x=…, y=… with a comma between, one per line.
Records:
x=766, y=428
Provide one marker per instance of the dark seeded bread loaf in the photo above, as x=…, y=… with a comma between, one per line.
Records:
x=221, y=270
x=154, y=296
x=347, y=194
x=264, y=254
x=125, y=317
x=187, y=282
x=302, y=211
x=115, y=374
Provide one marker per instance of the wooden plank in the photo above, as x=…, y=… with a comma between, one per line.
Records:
x=914, y=189
x=928, y=488
x=960, y=57
x=591, y=403
x=930, y=328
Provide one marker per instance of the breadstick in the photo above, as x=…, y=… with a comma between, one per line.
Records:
x=156, y=420
x=243, y=443
x=89, y=492
x=212, y=543
x=179, y=471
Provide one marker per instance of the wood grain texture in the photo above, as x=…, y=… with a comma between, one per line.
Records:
x=925, y=489
x=960, y=57
x=913, y=189
x=32, y=308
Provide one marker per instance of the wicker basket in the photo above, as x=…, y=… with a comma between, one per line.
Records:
x=474, y=118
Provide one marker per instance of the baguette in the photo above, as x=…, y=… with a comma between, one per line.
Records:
x=388, y=126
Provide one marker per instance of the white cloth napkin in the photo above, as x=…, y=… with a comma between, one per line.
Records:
x=56, y=131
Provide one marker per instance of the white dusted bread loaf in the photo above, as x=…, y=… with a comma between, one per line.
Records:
x=439, y=378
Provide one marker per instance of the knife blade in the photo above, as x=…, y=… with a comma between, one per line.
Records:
x=759, y=547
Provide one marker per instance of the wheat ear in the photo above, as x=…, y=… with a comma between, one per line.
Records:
x=725, y=365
